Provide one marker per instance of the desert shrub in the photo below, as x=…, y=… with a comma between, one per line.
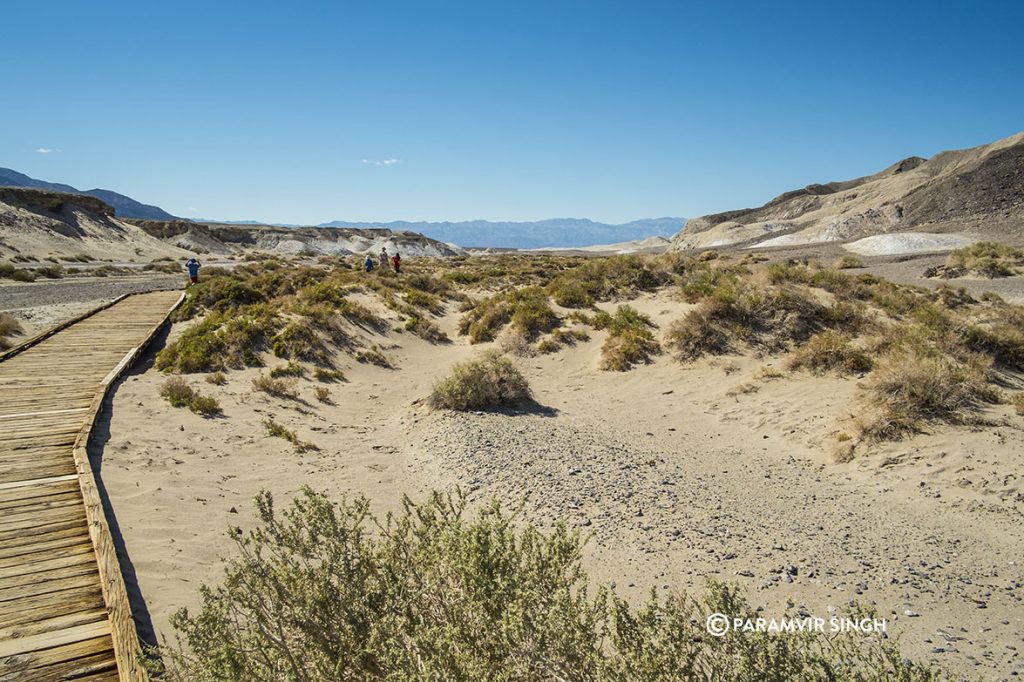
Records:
x=279, y=388
x=322, y=393
x=50, y=272
x=6, y=270
x=373, y=356
x=485, y=382
x=277, y=430
x=325, y=591
x=911, y=391
x=570, y=293
x=217, y=379
x=1002, y=338
x=299, y=339
x=525, y=309
x=1018, y=403
x=984, y=259
x=327, y=374
x=848, y=262
x=630, y=339
x=9, y=326
x=177, y=391
x=548, y=345
x=21, y=275
x=830, y=351
x=221, y=340
x=422, y=299
x=292, y=369
x=425, y=329
x=740, y=314
x=205, y=405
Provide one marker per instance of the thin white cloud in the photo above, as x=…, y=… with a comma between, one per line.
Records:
x=382, y=162
x=44, y=150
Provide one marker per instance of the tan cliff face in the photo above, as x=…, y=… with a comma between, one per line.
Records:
x=46, y=224
x=978, y=191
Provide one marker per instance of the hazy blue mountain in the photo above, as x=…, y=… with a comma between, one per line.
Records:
x=124, y=206
x=555, y=232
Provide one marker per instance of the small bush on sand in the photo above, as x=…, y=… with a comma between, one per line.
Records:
x=527, y=310
x=279, y=388
x=1018, y=403
x=299, y=339
x=324, y=591
x=485, y=382
x=830, y=351
x=329, y=375
x=205, y=405
x=426, y=330
x=8, y=327
x=280, y=431
x=217, y=379
x=221, y=340
x=630, y=339
x=848, y=263
x=570, y=293
x=177, y=391
x=373, y=356
x=734, y=315
x=322, y=393
x=292, y=369
x=910, y=391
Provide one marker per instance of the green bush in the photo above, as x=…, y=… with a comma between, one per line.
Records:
x=527, y=310
x=630, y=339
x=325, y=592
x=426, y=330
x=485, y=382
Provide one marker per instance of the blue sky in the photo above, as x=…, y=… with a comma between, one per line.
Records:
x=311, y=111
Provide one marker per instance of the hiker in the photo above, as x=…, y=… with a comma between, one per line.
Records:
x=193, y=266
x=384, y=265
x=396, y=262
x=368, y=263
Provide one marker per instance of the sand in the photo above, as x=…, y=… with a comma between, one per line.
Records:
x=676, y=476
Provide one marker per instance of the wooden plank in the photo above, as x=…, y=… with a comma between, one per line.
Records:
x=35, y=664
x=56, y=552
x=36, y=485
x=52, y=604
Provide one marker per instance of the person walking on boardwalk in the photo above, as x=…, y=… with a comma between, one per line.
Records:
x=384, y=264
x=368, y=263
x=193, y=266
x=396, y=262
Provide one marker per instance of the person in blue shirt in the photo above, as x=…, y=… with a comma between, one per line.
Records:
x=193, y=266
x=368, y=263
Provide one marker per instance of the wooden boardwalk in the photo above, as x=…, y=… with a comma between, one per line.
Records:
x=64, y=610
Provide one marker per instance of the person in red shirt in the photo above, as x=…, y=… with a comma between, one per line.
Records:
x=396, y=261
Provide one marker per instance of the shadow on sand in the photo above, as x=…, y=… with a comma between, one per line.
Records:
x=97, y=443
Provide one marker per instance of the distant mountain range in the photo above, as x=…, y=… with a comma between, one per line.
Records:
x=124, y=207
x=552, y=233
x=555, y=232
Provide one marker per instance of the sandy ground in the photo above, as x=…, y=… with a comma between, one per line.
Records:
x=675, y=476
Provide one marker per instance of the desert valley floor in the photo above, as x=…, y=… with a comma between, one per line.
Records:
x=677, y=472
